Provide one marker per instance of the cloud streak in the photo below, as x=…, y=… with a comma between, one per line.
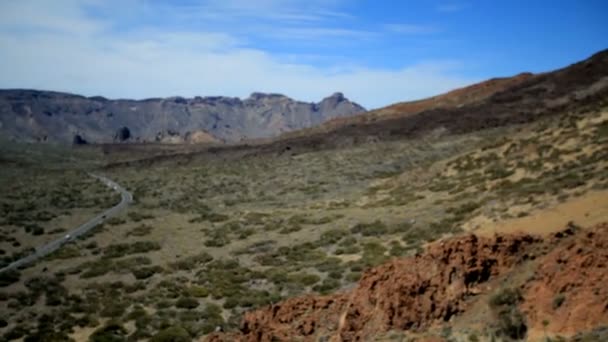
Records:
x=90, y=57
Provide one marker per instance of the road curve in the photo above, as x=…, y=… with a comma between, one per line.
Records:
x=48, y=248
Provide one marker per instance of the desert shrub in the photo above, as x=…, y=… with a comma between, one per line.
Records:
x=115, y=221
x=96, y=268
x=91, y=245
x=463, y=209
x=328, y=285
x=331, y=237
x=113, y=308
x=370, y=229
x=15, y=333
x=505, y=297
x=66, y=252
x=172, y=334
x=47, y=333
x=303, y=278
x=87, y=321
x=217, y=239
x=290, y=228
x=111, y=332
x=186, y=303
x=137, y=217
x=146, y=272
x=9, y=277
x=330, y=264
x=141, y=230
x=207, y=215
x=231, y=302
x=122, y=249
x=256, y=218
x=353, y=277
x=373, y=254
x=192, y=262
x=398, y=250
x=510, y=322
x=198, y=291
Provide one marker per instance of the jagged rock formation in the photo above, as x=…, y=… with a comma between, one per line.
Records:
x=30, y=115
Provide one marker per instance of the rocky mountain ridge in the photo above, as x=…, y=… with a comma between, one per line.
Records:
x=41, y=116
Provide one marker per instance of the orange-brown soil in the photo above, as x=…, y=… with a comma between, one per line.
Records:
x=570, y=287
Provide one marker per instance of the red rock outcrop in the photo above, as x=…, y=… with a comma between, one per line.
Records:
x=402, y=294
x=570, y=287
x=567, y=294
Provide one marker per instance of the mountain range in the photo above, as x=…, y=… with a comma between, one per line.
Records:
x=46, y=116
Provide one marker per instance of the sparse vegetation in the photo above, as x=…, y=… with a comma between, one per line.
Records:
x=510, y=322
x=207, y=240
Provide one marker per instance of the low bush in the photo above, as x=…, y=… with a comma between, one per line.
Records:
x=187, y=303
x=122, y=249
x=510, y=322
x=172, y=334
x=111, y=332
x=146, y=272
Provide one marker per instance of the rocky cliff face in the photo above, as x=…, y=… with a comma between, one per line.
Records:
x=30, y=115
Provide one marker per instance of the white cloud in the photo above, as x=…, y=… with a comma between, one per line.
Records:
x=61, y=16
x=150, y=62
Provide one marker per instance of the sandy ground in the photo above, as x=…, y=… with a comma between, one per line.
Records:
x=587, y=210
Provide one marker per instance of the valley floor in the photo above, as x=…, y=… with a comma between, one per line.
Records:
x=213, y=236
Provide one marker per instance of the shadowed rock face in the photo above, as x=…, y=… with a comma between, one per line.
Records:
x=30, y=115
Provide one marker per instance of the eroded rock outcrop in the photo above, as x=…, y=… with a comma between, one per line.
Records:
x=402, y=294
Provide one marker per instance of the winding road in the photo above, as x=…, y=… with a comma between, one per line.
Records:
x=46, y=249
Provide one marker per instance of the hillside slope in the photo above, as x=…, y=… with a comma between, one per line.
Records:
x=29, y=115
x=496, y=103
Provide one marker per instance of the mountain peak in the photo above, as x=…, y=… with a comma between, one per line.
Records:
x=258, y=96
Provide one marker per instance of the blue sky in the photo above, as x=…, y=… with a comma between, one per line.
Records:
x=376, y=52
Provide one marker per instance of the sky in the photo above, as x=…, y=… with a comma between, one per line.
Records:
x=375, y=52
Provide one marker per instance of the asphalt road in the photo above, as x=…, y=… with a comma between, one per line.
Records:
x=46, y=249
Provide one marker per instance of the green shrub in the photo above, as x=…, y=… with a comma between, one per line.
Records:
x=510, y=321
x=505, y=297
x=291, y=228
x=66, y=252
x=9, y=277
x=136, y=216
x=217, y=240
x=141, y=230
x=328, y=285
x=303, y=278
x=198, y=291
x=115, y=221
x=172, y=334
x=187, y=303
x=375, y=228
x=122, y=249
x=111, y=332
x=192, y=262
x=146, y=272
